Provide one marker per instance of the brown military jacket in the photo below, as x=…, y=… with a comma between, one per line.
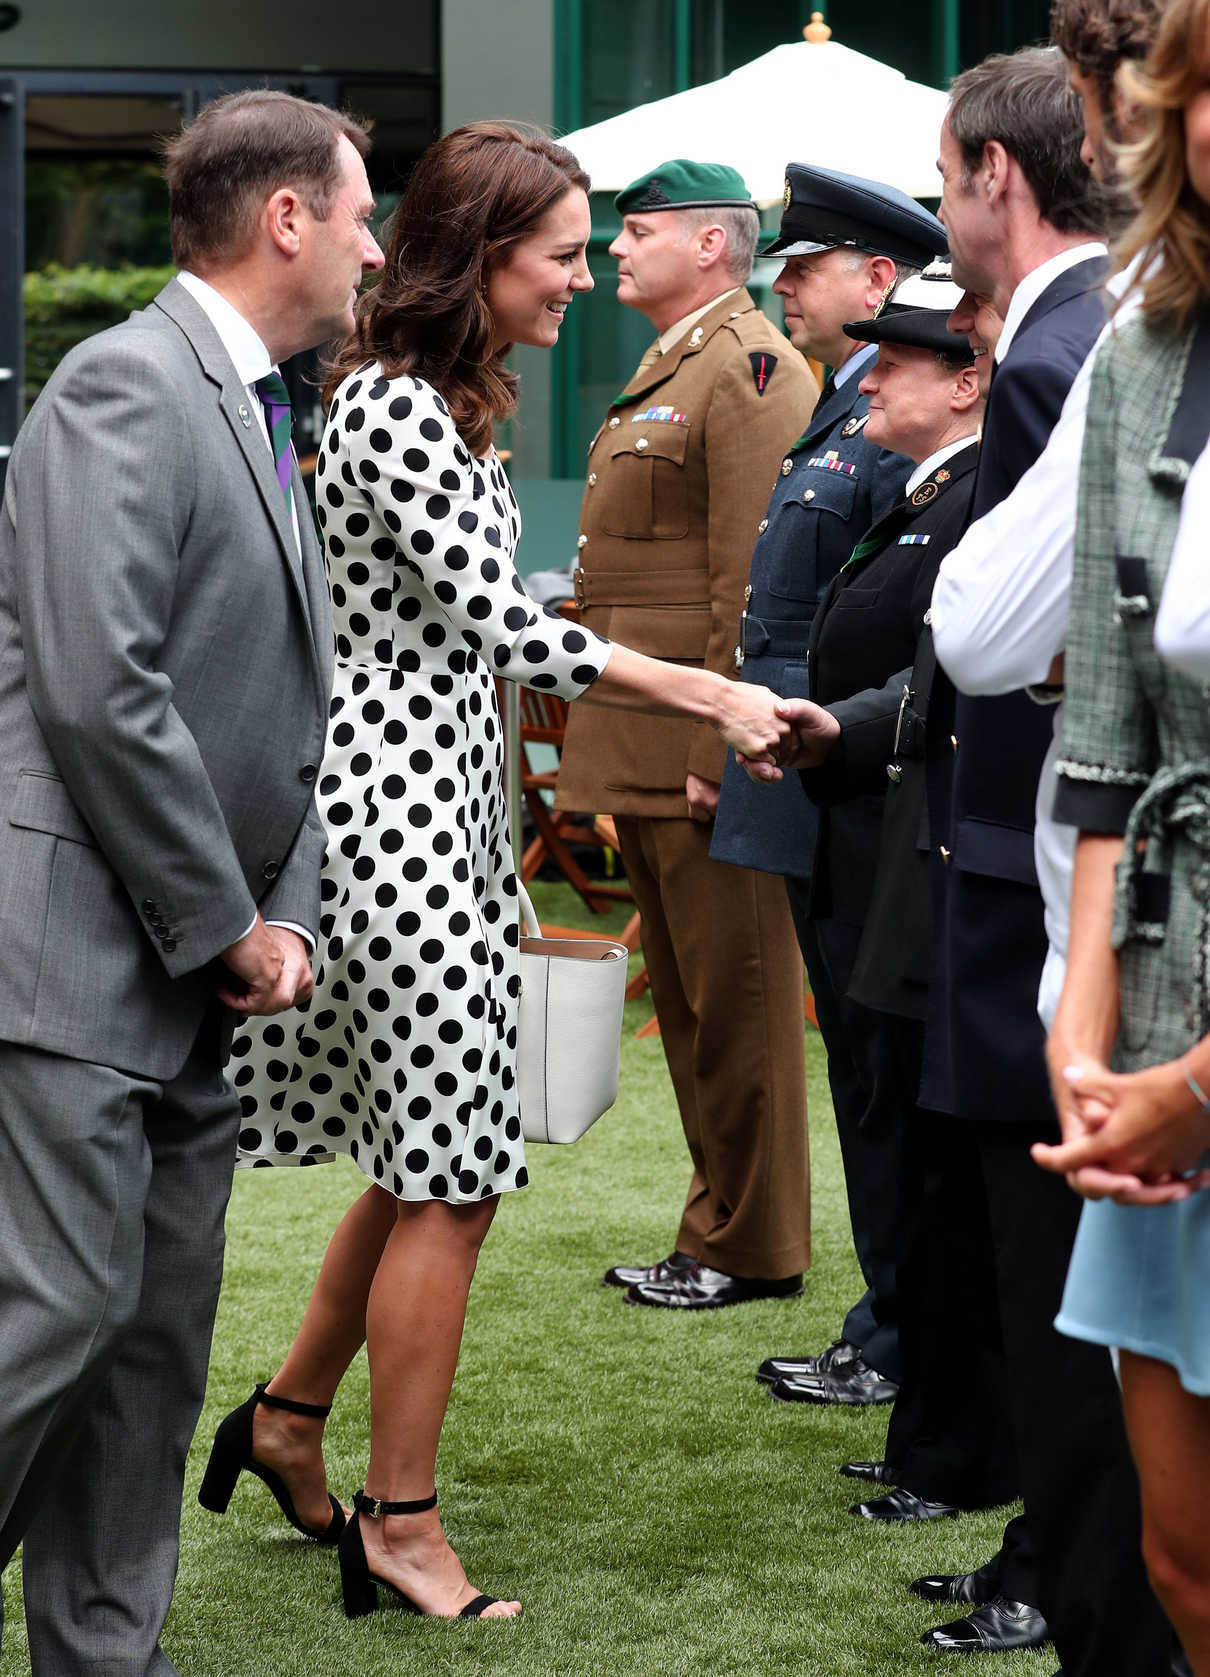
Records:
x=678, y=479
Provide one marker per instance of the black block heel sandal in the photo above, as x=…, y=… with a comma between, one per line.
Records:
x=231, y=1455
x=359, y=1585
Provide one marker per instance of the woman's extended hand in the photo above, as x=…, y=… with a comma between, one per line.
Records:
x=813, y=737
x=1136, y=1138
x=748, y=717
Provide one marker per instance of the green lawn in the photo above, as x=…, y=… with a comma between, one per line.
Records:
x=618, y=1469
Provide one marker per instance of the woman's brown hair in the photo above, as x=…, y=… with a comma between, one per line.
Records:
x=1171, y=228
x=470, y=198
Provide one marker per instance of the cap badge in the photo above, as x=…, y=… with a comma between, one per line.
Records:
x=695, y=337
x=786, y=195
x=851, y=427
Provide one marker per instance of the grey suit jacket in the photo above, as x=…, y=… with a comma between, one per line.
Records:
x=165, y=666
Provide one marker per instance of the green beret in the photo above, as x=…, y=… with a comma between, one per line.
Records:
x=682, y=184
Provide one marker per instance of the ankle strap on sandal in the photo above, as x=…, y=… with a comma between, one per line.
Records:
x=319, y=1410
x=376, y=1508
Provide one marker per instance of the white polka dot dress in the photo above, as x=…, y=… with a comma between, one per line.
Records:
x=405, y=1056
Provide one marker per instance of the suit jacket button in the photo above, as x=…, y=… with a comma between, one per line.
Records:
x=150, y=907
x=168, y=945
x=945, y=854
x=271, y=870
x=307, y=773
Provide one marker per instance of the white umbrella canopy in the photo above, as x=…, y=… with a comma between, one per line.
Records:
x=811, y=102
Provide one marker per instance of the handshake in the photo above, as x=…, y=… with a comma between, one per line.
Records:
x=770, y=734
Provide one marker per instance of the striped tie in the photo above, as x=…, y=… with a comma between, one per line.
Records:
x=276, y=401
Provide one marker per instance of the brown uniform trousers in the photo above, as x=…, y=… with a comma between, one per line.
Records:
x=678, y=480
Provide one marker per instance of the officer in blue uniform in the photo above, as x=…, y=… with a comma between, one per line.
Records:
x=847, y=244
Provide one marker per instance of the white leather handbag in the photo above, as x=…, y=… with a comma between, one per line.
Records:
x=569, y=1029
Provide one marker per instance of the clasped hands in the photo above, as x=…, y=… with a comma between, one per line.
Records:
x=272, y=967
x=806, y=736
x=1137, y=1138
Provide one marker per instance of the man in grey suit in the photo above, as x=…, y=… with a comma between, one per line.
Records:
x=165, y=662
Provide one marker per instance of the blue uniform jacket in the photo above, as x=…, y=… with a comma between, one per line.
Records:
x=817, y=513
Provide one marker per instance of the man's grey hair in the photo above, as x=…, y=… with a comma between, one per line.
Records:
x=742, y=227
x=903, y=270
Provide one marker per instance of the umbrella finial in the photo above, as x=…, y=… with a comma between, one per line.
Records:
x=817, y=29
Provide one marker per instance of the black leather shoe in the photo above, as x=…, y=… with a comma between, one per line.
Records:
x=995, y=1628
x=904, y=1505
x=961, y=1589
x=631, y=1275
x=853, y=1382
x=874, y=1473
x=794, y=1368
x=703, y=1288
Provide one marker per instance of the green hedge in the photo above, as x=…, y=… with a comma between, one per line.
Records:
x=65, y=305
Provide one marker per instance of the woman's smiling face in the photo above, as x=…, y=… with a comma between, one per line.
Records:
x=530, y=290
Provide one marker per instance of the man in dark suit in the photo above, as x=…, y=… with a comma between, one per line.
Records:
x=847, y=244
x=1022, y=215
x=165, y=661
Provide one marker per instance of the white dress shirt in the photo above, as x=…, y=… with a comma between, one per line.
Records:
x=1182, y=624
x=251, y=361
x=1000, y=604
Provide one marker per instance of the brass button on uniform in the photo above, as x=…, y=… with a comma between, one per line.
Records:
x=808, y=494
x=614, y=423
x=592, y=478
x=762, y=526
x=640, y=443
x=581, y=541
x=787, y=466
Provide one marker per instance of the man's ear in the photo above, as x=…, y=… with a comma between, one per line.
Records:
x=711, y=245
x=881, y=274
x=966, y=391
x=994, y=171
x=282, y=218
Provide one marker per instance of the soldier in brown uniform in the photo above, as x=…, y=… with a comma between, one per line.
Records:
x=679, y=476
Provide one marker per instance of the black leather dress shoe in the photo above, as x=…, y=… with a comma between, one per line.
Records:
x=630, y=1275
x=994, y=1628
x=873, y=1473
x=961, y=1589
x=853, y=1382
x=904, y=1505
x=794, y=1368
x=703, y=1288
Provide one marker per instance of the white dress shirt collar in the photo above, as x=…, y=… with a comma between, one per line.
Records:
x=1036, y=282
x=243, y=344
x=858, y=362
x=937, y=458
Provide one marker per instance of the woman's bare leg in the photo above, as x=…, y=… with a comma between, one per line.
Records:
x=329, y=1337
x=1169, y=1432
x=414, y=1322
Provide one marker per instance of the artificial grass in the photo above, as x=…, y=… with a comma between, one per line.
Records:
x=618, y=1469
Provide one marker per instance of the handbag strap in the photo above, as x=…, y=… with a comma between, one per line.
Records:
x=528, y=918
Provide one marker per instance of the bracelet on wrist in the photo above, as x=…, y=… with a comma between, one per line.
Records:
x=1195, y=1088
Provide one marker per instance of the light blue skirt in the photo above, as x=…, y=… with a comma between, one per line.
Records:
x=1140, y=1279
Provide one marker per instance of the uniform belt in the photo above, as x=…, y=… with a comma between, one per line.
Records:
x=782, y=637
x=641, y=588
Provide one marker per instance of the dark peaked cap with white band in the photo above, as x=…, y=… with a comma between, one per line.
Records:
x=826, y=210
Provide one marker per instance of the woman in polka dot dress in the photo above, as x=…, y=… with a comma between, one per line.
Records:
x=405, y=1056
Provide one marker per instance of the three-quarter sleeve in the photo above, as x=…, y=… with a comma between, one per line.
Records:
x=446, y=529
x=1109, y=743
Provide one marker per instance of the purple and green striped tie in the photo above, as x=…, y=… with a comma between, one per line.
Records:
x=275, y=399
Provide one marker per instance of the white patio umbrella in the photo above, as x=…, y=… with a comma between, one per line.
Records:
x=813, y=101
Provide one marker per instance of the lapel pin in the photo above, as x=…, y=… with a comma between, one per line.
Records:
x=245, y=416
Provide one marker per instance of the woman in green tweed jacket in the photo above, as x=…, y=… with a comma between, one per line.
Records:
x=1135, y=778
